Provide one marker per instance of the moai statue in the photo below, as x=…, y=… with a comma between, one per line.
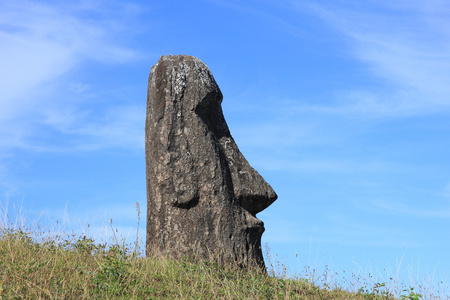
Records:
x=202, y=194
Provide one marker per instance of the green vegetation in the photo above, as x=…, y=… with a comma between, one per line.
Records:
x=37, y=264
x=78, y=268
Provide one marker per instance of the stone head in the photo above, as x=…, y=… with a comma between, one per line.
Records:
x=203, y=196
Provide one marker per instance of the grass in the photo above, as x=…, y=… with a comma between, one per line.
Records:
x=60, y=268
x=39, y=265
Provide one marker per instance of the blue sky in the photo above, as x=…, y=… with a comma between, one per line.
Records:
x=342, y=106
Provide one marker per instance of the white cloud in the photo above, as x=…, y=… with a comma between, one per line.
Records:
x=42, y=41
x=408, y=210
x=117, y=126
x=405, y=43
x=113, y=224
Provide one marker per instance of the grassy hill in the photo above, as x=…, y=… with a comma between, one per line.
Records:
x=69, y=267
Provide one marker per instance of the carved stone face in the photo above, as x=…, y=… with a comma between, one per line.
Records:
x=202, y=193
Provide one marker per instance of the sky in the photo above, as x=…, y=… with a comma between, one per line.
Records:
x=342, y=106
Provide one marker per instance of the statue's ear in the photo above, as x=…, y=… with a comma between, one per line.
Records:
x=180, y=188
x=184, y=191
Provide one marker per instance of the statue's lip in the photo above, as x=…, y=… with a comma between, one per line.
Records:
x=255, y=223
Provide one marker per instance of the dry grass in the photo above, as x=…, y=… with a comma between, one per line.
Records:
x=60, y=268
x=38, y=264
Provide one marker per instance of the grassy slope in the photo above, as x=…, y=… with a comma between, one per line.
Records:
x=78, y=268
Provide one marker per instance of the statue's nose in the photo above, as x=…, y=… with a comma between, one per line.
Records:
x=254, y=193
x=250, y=189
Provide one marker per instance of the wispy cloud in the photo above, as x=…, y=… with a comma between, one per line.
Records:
x=43, y=41
x=413, y=211
x=406, y=43
x=265, y=10
x=337, y=228
x=116, y=127
x=116, y=223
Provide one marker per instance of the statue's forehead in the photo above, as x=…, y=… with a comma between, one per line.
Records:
x=187, y=79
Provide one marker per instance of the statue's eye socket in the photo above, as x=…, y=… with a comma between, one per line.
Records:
x=210, y=111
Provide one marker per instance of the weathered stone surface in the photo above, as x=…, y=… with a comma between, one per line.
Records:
x=202, y=193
